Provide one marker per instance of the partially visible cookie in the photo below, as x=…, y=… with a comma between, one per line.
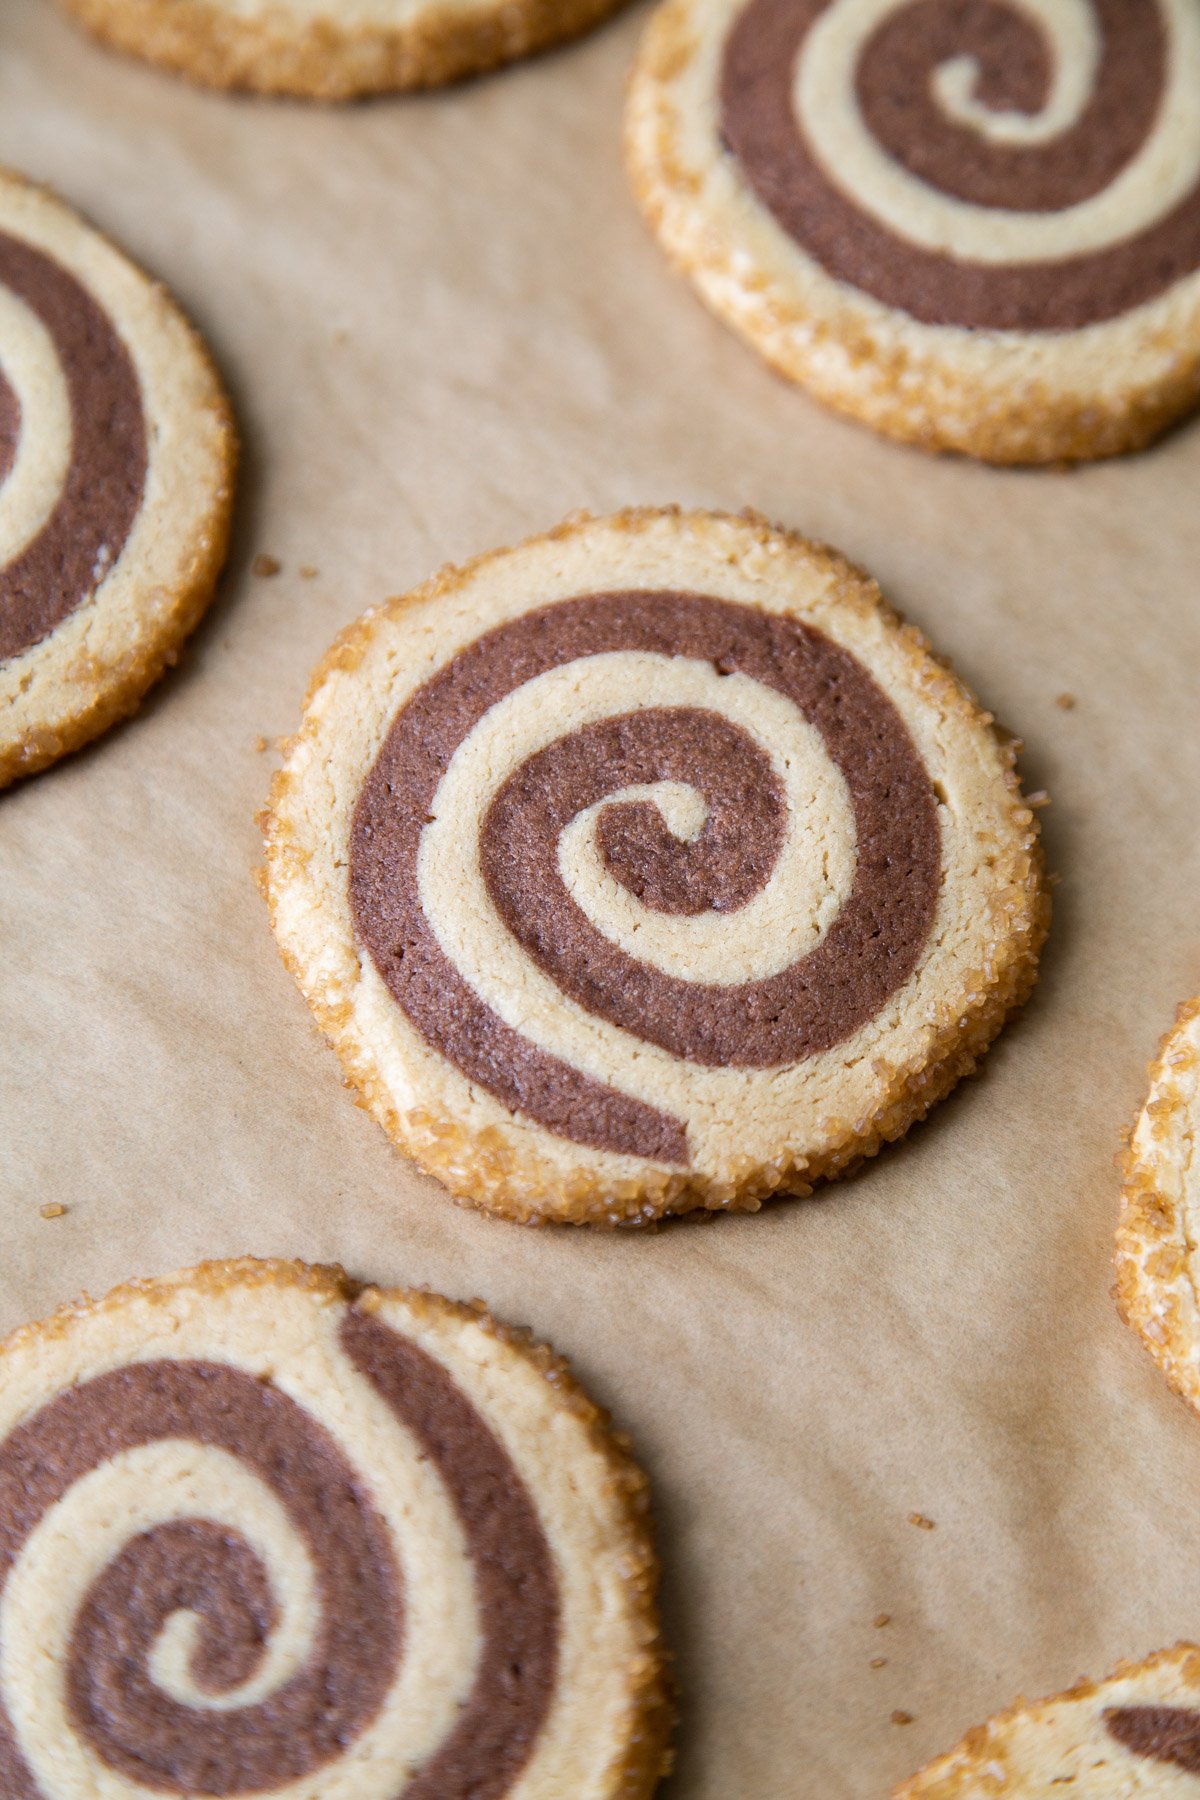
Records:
x=335, y=49
x=974, y=227
x=265, y=1531
x=1136, y=1733
x=117, y=457
x=1158, y=1266
x=651, y=865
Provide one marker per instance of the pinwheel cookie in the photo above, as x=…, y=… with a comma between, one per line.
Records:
x=116, y=469
x=1136, y=1733
x=976, y=228
x=262, y=1531
x=649, y=866
x=335, y=49
x=1158, y=1275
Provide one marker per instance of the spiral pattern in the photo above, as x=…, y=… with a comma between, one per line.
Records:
x=1015, y=165
x=637, y=818
x=73, y=445
x=228, y=1574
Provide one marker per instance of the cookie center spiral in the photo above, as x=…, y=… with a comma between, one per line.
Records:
x=820, y=979
x=171, y=1675
x=72, y=472
x=980, y=163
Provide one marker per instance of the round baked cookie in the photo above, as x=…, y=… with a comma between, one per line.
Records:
x=1158, y=1267
x=264, y=1531
x=117, y=457
x=335, y=49
x=974, y=227
x=649, y=866
x=1136, y=1733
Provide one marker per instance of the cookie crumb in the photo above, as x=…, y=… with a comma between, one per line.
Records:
x=308, y=573
x=921, y=1522
x=54, y=1209
x=901, y=1718
x=879, y=1662
x=264, y=565
x=880, y=1620
x=1038, y=798
x=261, y=743
x=1067, y=702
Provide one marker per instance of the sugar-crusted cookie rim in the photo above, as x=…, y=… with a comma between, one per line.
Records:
x=1151, y=1222
x=319, y=61
x=649, y=1689
x=1046, y=426
x=111, y=691
x=525, y=1187
x=962, y=1764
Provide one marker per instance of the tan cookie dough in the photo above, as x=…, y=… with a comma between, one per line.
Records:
x=1158, y=1276
x=652, y=865
x=117, y=456
x=335, y=49
x=975, y=229
x=1137, y=1733
x=265, y=1530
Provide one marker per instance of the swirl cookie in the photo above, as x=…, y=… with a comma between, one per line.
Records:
x=116, y=467
x=1158, y=1274
x=974, y=227
x=1138, y=1732
x=262, y=1531
x=335, y=49
x=649, y=866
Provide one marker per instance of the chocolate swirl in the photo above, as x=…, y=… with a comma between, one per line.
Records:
x=133, y=1727
x=1169, y=1734
x=774, y=125
x=10, y=427
x=71, y=552
x=816, y=1002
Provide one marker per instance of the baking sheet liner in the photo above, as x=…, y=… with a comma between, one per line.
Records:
x=445, y=327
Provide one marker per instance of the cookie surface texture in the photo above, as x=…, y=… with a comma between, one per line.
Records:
x=335, y=49
x=651, y=865
x=116, y=469
x=1136, y=1733
x=265, y=1532
x=975, y=227
x=1158, y=1268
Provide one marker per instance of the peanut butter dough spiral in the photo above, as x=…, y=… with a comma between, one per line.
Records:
x=115, y=1705
x=299, y=1553
x=116, y=465
x=56, y=555
x=974, y=224
x=975, y=162
x=649, y=865
x=808, y=1005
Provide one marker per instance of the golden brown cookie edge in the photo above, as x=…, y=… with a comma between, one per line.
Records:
x=481, y=1171
x=647, y=1756
x=1044, y=427
x=115, y=692
x=1151, y=1238
x=320, y=61
x=953, y=1775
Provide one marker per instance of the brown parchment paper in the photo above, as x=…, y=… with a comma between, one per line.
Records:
x=445, y=327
